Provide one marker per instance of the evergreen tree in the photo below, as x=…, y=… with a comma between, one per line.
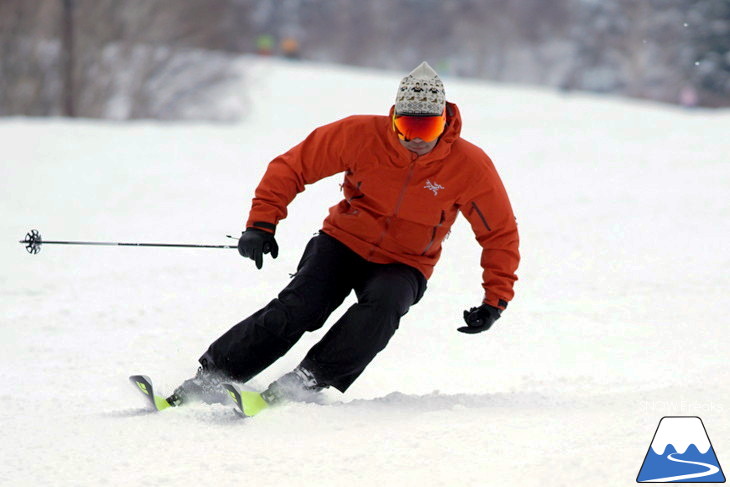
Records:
x=709, y=21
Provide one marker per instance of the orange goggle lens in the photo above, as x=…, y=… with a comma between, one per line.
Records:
x=409, y=127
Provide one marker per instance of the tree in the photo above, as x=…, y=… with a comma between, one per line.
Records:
x=29, y=58
x=709, y=24
x=111, y=59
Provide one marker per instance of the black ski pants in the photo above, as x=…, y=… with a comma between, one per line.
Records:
x=327, y=273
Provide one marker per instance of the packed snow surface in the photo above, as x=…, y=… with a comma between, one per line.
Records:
x=620, y=317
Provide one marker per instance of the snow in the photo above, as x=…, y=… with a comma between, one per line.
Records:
x=621, y=314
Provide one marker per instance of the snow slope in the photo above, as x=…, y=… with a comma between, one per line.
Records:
x=620, y=317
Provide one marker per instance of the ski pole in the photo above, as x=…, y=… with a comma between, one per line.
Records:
x=33, y=242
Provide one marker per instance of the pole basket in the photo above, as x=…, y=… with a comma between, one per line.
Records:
x=33, y=242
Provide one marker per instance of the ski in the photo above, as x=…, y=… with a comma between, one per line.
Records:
x=143, y=384
x=249, y=403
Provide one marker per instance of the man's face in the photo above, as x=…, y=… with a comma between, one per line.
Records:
x=418, y=133
x=419, y=146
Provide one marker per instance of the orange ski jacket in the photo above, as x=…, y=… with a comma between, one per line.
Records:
x=398, y=206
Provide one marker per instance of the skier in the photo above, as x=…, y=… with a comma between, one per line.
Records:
x=406, y=178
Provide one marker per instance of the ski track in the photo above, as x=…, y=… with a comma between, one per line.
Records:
x=620, y=317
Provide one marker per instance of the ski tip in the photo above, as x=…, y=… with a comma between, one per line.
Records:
x=234, y=393
x=144, y=385
x=249, y=403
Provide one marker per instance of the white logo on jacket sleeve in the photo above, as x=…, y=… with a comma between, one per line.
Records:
x=435, y=187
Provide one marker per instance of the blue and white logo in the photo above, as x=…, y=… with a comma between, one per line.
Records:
x=681, y=452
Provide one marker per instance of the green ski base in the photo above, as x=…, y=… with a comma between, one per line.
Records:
x=249, y=403
x=143, y=384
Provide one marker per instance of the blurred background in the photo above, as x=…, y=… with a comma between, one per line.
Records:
x=162, y=59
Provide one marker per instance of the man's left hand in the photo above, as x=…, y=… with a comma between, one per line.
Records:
x=480, y=319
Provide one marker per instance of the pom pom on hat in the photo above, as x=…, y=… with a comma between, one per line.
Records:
x=421, y=93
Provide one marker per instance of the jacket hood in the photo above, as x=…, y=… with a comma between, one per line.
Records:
x=443, y=147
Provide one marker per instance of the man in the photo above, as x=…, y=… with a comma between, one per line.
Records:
x=406, y=178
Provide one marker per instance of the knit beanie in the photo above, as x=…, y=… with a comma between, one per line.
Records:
x=421, y=93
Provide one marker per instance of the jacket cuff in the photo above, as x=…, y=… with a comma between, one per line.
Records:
x=496, y=302
x=268, y=227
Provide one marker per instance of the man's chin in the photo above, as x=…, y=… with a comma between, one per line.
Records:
x=420, y=149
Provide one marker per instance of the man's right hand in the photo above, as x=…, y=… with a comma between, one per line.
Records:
x=254, y=243
x=480, y=319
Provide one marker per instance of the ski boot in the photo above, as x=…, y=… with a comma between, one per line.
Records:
x=299, y=385
x=205, y=387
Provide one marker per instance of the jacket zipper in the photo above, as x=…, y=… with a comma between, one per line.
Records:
x=357, y=189
x=355, y=211
x=479, y=212
x=397, y=207
x=433, y=235
x=403, y=190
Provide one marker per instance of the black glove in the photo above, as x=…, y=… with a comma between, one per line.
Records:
x=480, y=319
x=254, y=243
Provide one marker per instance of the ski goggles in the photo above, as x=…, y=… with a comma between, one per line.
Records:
x=426, y=128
